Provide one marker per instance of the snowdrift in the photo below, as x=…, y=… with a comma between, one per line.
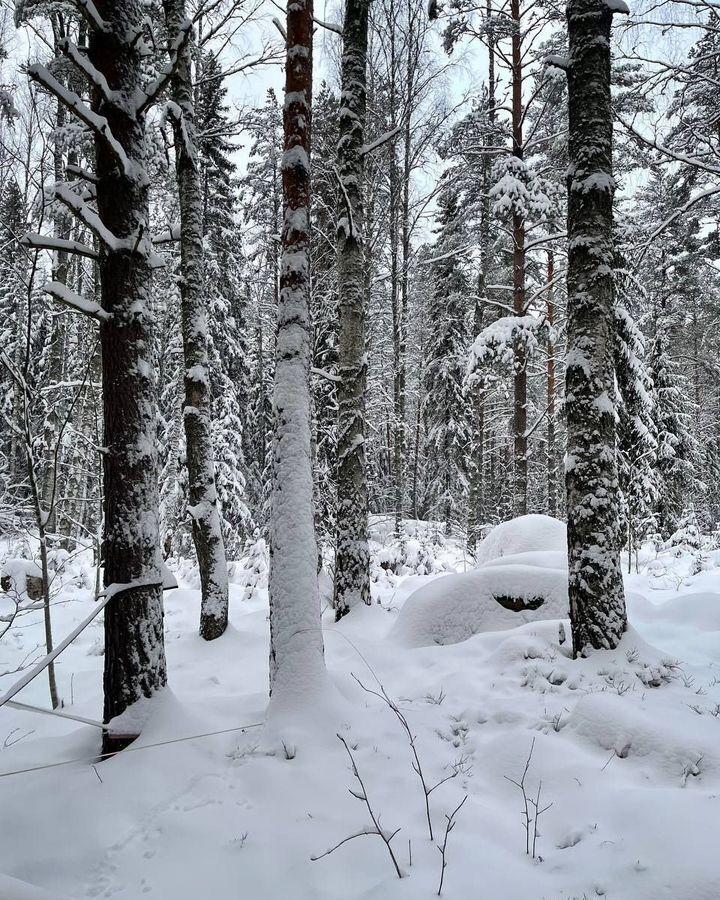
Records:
x=492, y=598
x=523, y=535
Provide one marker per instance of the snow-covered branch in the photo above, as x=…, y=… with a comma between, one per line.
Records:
x=380, y=141
x=82, y=111
x=79, y=172
x=89, y=12
x=83, y=64
x=62, y=293
x=87, y=216
x=329, y=26
x=168, y=236
x=46, y=242
x=158, y=85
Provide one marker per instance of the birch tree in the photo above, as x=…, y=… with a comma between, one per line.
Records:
x=597, y=601
x=352, y=558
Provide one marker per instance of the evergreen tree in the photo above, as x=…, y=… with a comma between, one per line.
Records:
x=446, y=409
x=224, y=289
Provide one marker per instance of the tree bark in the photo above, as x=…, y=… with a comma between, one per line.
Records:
x=134, y=645
x=352, y=556
x=597, y=601
x=551, y=390
x=197, y=412
x=296, y=643
x=520, y=441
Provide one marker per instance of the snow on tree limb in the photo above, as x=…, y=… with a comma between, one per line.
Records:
x=83, y=64
x=137, y=244
x=87, y=216
x=47, y=242
x=380, y=141
x=98, y=124
x=89, y=11
x=158, y=85
x=329, y=26
x=81, y=173
x=167, y=236
x=62, y=293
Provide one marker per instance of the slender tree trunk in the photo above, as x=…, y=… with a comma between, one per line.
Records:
x=477, y=512
x=197, y=412
x=296, y=644
x=134, y=644
x=352, y=556
x=597, y=601
x=551, y=391
x=520, y=441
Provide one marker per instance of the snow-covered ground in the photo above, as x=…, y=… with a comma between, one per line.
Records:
x=625, y=753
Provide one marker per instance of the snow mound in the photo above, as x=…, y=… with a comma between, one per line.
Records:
x=453, y=608
x=628, y=731
x=523, y=535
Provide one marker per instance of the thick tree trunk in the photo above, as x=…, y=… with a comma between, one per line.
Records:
x=352, y=556
x=597, y=601
x=197, y=412
x=520, y=441
x=296, y=644
x=134, y=644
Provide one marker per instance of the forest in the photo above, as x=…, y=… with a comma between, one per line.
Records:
x=359, y=449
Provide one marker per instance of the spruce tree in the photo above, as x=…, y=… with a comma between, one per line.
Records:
x=446, y=409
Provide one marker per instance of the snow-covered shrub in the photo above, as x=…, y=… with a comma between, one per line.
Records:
x=252, y=571
x=688, y=534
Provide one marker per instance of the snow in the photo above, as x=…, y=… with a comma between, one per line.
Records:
x=625, y=744
x=523, y=535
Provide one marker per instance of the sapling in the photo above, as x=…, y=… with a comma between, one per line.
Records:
x=361, y=795
x=530, y=819
x=443, y=847
x=416, y=764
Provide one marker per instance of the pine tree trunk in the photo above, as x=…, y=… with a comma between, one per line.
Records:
x=597, y=601
x=296, y=644
x=352, y=556
x=134, y=643
x=520, y=441
x=197, y=412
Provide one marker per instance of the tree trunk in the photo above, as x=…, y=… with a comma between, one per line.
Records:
x=551, y=390
x=352, y=556
x=134, y=644
x=197, y=412
x=520, y=442
x=296, y=643
x=597, y=601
